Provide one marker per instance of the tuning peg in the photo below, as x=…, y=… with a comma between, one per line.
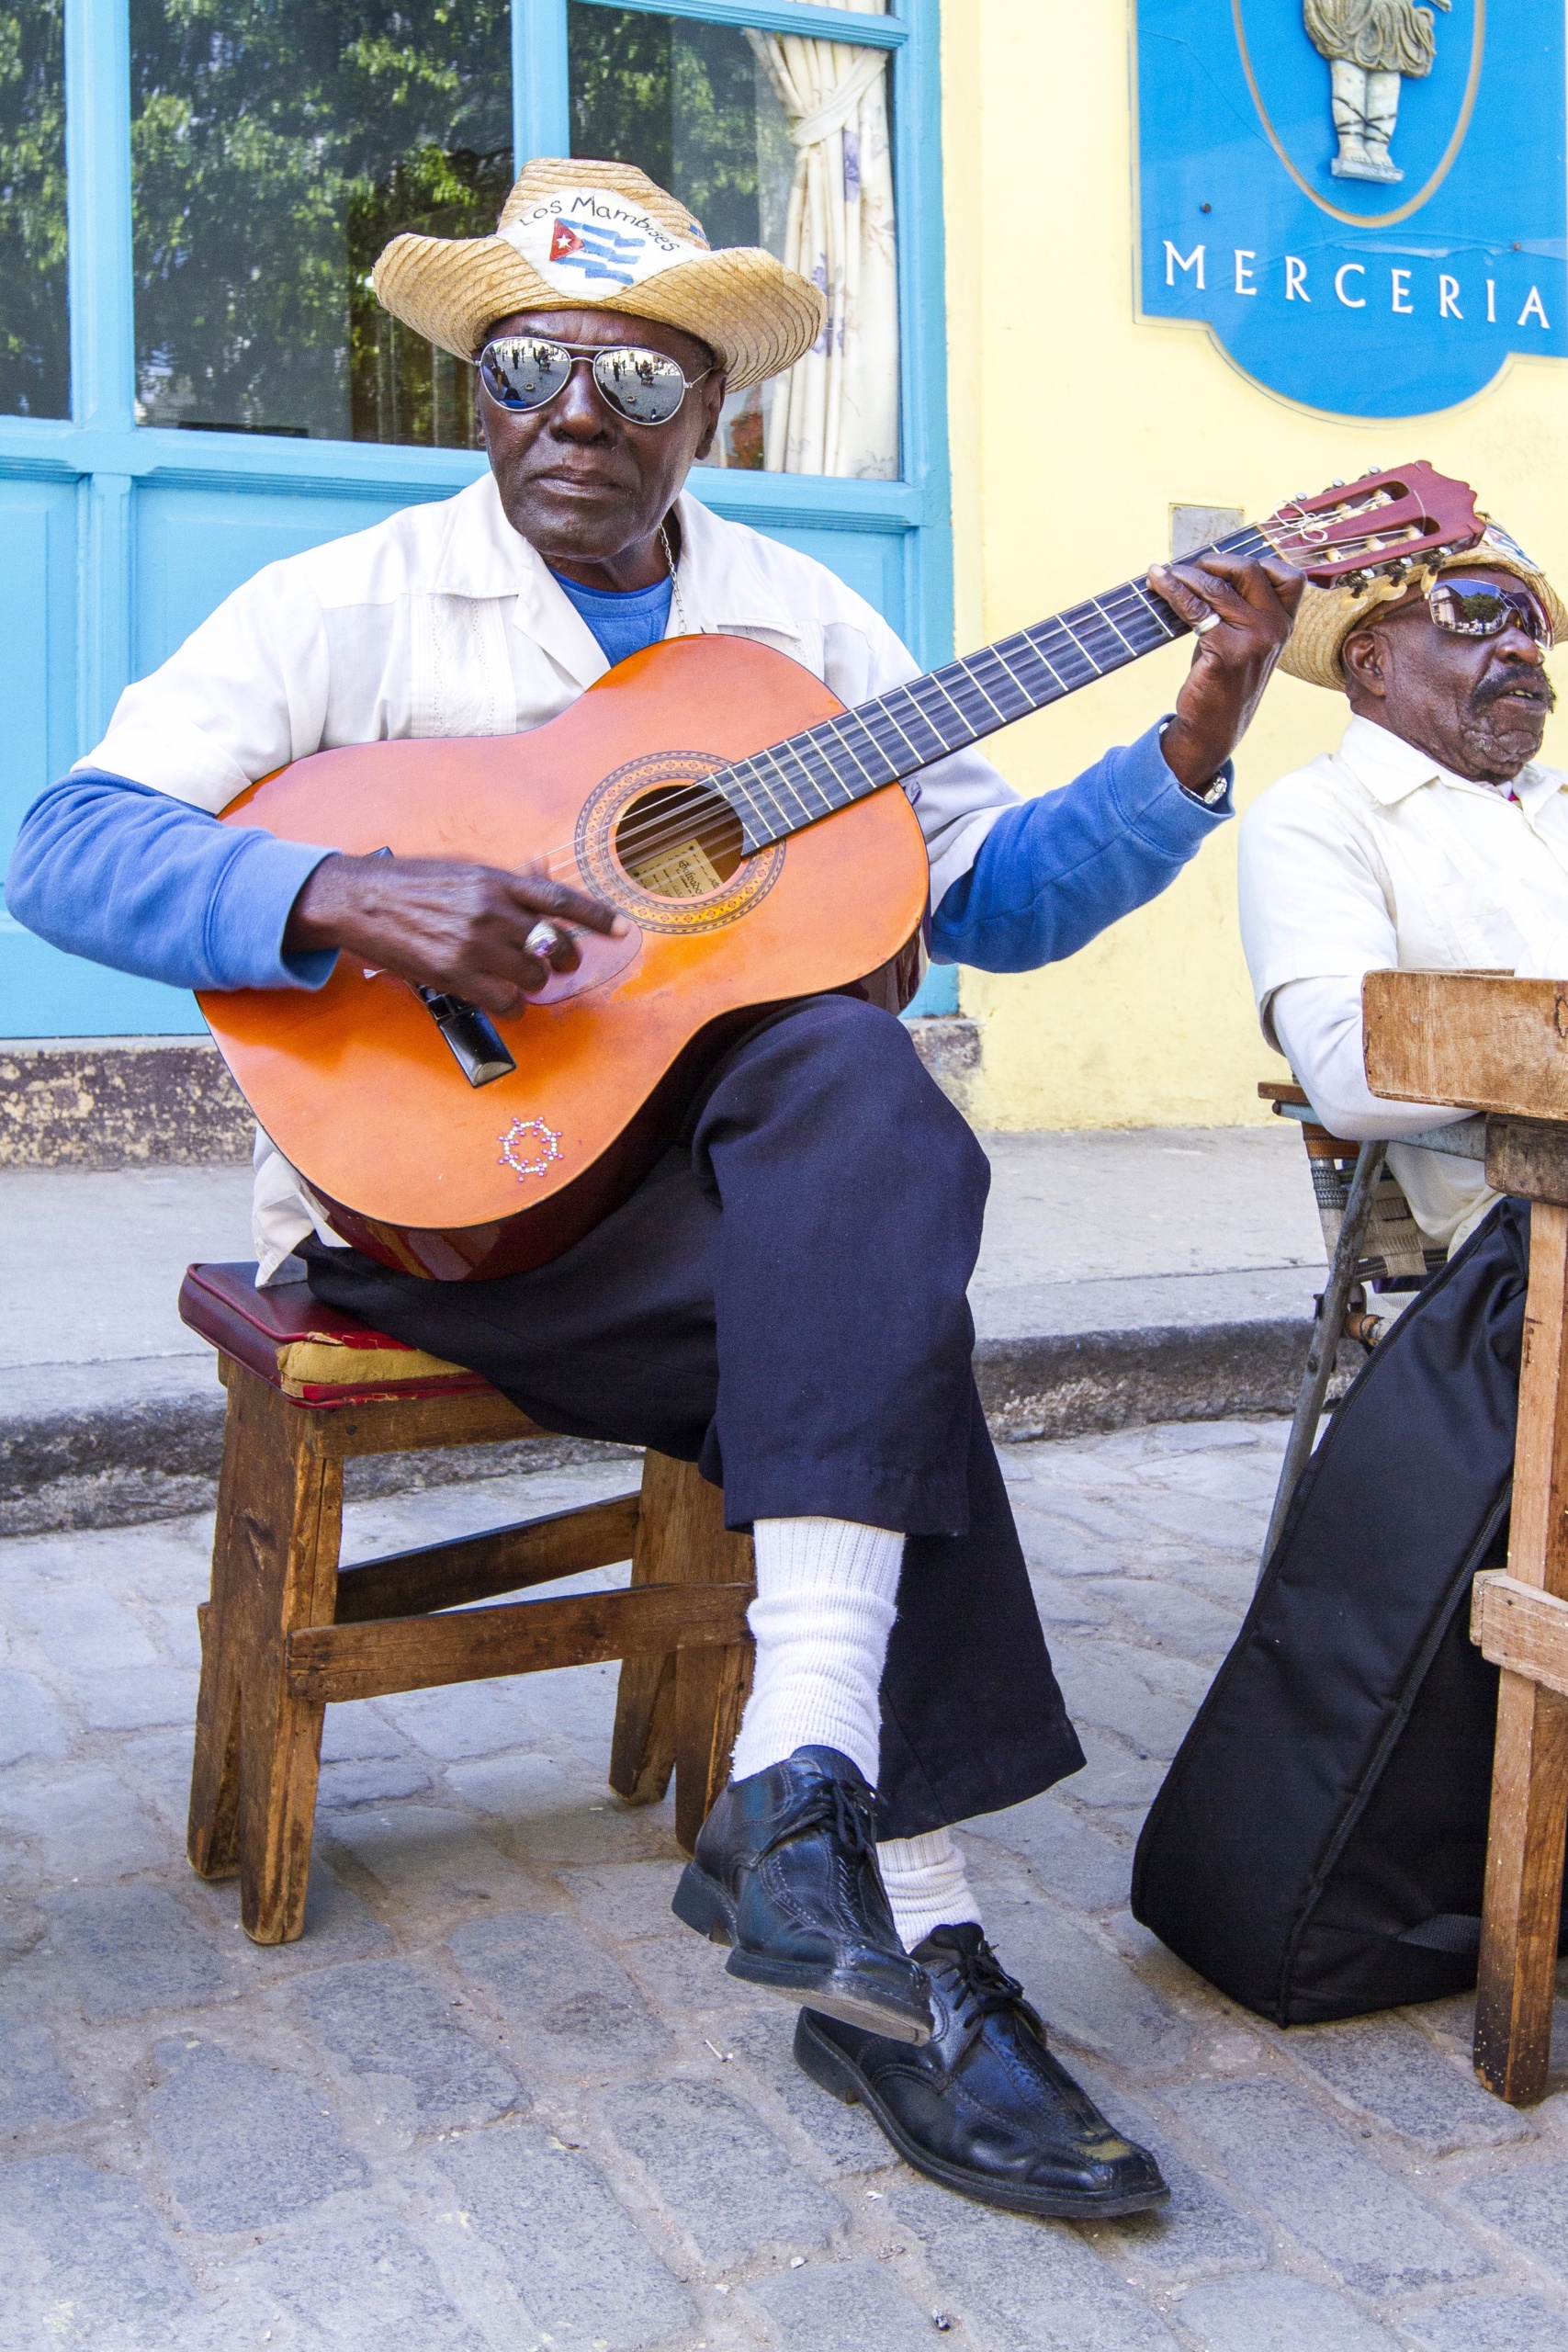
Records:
x=1337, y=483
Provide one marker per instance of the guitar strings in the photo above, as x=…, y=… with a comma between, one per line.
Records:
x=668, y=824
x=676, y=817
x=666, y=828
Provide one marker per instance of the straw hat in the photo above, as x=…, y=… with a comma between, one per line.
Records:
x=579, y=235
x=1326, y=616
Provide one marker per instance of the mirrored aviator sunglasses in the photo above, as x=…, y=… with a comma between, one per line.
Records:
x=523, y=372
x=1480, y=609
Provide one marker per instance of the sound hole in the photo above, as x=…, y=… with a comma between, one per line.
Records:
x=679, y=842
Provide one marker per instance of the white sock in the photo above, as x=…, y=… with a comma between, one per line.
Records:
x=826, y=1596
x=927, y=1885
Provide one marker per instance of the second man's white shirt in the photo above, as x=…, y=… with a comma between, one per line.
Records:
x=1374, y=858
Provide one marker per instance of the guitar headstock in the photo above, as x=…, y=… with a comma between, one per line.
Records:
x=1386, y=526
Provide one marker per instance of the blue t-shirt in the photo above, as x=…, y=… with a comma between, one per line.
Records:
x=624, y=620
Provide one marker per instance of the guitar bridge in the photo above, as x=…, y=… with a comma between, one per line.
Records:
x=478, y=1047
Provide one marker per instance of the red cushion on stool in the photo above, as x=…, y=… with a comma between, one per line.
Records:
x=291, y=1339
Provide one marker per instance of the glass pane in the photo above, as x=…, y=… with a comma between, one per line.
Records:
x=709, y=111
x=35, y=336
x=276, y=146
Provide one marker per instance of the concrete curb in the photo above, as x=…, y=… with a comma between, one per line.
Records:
x=110, y=1445
x=1073, y=1383
x=133, y=1467
x=124, y=1458
x=120, y=1102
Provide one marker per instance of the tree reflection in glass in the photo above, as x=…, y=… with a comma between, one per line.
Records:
x=690, y=105
x=277, y=145
x=35, y=335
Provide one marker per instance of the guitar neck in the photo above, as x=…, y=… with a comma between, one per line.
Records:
x=791, y=784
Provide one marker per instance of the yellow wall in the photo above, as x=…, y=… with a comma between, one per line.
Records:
x=1073, y=430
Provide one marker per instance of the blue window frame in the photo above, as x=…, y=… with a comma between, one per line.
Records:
x=120, y=537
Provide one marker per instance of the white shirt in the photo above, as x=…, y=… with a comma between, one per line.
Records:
x=1374, y=858
x=443, y=620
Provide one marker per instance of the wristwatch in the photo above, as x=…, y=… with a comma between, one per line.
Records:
x=1207, y=796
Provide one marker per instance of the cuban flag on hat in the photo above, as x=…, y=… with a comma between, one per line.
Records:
x=597, y=253
x=582, y=238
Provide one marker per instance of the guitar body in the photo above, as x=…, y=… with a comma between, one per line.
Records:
x=356, y=1084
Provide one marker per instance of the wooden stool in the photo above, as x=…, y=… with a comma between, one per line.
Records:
x=1495, y=1043
x=285, y=1630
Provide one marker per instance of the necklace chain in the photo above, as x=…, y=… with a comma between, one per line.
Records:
x=674, y=583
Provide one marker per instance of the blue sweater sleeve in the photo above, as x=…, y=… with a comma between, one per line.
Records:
x=1053, y=872
x=114, y=871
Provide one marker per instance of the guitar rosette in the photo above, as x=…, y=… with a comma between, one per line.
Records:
x=670, y=787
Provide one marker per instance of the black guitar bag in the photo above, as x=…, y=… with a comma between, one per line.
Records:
x=1318, y=1846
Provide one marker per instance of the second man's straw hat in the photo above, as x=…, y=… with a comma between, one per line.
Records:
x=579, y=235
x=1326, y=616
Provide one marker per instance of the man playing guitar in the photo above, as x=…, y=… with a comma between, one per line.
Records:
x=783, y=1300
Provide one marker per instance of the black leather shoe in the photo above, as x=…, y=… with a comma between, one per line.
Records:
x=984, y=2108
x=785, y=1873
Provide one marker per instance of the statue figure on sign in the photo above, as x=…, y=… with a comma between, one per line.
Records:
x=1368, y=44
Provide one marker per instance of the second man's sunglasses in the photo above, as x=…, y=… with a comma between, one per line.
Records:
x=1479, y=608
x=528, y=371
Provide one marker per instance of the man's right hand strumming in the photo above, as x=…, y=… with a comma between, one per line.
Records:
x=471, y=931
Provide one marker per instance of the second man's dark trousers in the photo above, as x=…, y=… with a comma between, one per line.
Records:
x=783, y=1303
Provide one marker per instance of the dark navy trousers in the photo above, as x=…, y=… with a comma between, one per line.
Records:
x=783, y=1303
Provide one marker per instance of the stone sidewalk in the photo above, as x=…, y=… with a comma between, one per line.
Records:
x=497, y=2100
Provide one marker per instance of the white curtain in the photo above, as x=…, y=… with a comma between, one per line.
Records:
x=836, y=410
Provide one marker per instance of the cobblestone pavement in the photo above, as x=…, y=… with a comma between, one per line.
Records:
x=497, y=2097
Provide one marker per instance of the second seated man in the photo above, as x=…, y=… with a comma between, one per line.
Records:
x=1432, y=840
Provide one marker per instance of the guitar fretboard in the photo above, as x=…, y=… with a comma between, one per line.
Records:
x=791, y=784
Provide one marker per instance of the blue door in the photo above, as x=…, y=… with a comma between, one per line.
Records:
x=194, y=378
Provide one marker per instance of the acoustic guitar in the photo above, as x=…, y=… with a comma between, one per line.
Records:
x=743, y=822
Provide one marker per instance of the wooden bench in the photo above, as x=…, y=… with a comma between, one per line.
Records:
x=1497, y=1045
x=286, y=1632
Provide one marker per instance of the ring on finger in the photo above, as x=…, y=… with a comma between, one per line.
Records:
x=1209, y=621
x=544, y=940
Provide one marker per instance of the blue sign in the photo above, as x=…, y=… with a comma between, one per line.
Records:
x=1365, y=201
